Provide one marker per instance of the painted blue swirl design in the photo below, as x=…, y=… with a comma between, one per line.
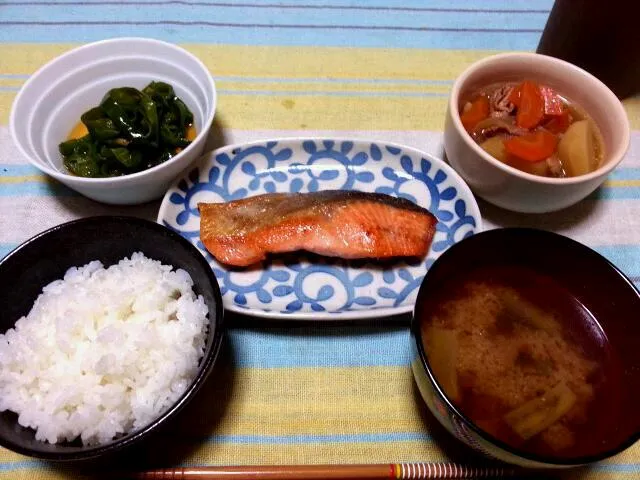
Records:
x=305, y=282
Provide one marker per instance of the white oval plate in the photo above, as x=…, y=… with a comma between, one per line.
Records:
x=307, y=286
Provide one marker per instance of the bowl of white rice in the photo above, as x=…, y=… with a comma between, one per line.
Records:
x=109, y=326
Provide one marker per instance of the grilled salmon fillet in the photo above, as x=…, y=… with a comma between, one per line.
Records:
x=336, y=223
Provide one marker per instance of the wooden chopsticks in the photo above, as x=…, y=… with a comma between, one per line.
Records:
x=393, y=471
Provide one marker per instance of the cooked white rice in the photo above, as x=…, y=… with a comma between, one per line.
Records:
x=103, y=351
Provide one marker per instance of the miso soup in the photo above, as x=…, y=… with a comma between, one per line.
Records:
x=524, y=360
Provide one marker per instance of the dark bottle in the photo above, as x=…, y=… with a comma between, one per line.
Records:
x=602, y=37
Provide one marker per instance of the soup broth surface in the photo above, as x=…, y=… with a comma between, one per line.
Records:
x=523, y=359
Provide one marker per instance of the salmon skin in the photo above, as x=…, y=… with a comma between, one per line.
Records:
x=335, y=223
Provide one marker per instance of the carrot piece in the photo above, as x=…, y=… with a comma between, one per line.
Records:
x=478, y=111
x=553, y=104
x=533, y=147
x=514, y=96
x=531, y=108
x=558, y=123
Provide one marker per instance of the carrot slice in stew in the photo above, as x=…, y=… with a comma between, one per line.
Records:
x=531, y=107
x=533, y=147
x=478, y=111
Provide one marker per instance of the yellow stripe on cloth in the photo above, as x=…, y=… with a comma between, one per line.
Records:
x=36, y=474
x=24, y=179
x=335, y=87
x=7, y=456
x=325, y=62
x=593, y=473
x=622, y=183
x=314, y=401
x=311, y=87
x=249, y=416
x=289, y=112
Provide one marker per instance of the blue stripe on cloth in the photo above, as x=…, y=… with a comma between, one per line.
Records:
x=516, y=6
x=403, y=24
x=270, y=35
x=487, y=20
x=616, y=193
x=325, y=346
x=625, y=173
x=625, y=257
x=24, y=465
x=36, y=188
x=617, y=467
x=5, y=248
x=316, y=438
x=17, y=169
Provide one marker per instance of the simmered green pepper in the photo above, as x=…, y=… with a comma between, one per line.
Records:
x=130, y=131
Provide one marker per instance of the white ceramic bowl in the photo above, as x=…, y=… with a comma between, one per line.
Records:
x=513, y=189
x=52, y=100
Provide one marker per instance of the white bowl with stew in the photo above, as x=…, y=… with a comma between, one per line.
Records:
x=51, y=102
x=552, y=186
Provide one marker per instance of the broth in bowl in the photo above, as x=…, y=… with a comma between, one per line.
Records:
x=525, y=361
x=533, y=128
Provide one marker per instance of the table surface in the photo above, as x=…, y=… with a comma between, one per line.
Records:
x=306, y=393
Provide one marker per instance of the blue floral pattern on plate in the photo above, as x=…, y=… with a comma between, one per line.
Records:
x=302, y=285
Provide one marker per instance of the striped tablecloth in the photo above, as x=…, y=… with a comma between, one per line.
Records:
x=380, y=69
